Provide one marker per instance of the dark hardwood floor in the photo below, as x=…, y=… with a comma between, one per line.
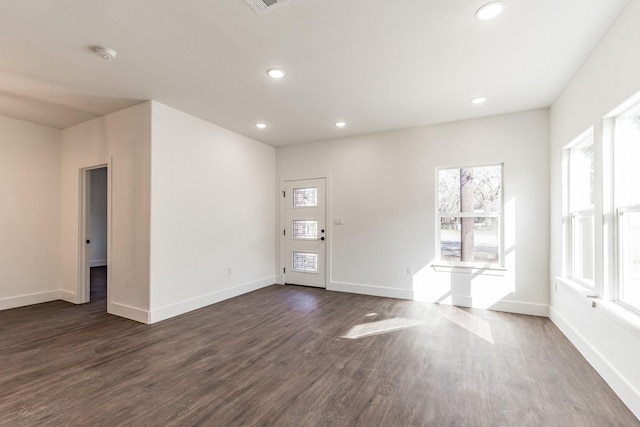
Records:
x=98, y=290
x=294, y=356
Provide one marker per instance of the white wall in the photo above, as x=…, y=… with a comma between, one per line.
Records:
x=383, y=186
x=188, y=200
x=609, y=76
x=212, y=208
x=123, y=141
x=29, y=212
x=98, y=218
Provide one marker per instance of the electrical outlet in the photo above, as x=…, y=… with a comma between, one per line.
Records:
x=229, y=271
x=409, y=271
x=126, y=282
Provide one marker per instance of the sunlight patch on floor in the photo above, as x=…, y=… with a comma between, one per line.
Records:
x=380, y=327
x=471, y=323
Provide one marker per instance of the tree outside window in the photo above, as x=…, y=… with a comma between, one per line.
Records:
x=470, y=213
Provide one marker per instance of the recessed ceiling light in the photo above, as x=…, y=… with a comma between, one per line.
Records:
x=490, y=10
x=275, y=73
x=106, y=53
x=478, y=100
x=261, y=125
x=341, y=124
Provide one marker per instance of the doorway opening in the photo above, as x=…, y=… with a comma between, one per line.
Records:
x=94, y=213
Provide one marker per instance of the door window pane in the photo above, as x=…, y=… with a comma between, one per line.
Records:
x=305, y=229
x=305, y=197
x=305, y=262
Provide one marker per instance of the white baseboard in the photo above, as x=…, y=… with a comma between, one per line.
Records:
x=377, y=291
x=462, y=301
x=129, y=312
x=28, y=299
x=519, y=307
x=182, y=307
x=625, y=391
x=515, y=307
x=67, y=296
x=98, y=263
x=121, y=310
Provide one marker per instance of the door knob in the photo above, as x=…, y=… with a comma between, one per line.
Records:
x=322, y=231
x=322, y=238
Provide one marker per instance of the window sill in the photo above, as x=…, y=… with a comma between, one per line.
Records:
x=468, y=268
x=625, y=317
x=576, y=288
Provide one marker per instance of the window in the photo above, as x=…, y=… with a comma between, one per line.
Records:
x=581, y=212
x=305, y=229
x=305, y=262
x=626, y=198
x=305, y=197
x=601, y=210
x=470, y=214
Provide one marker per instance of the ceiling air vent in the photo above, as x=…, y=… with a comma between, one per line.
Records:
x=262, y=6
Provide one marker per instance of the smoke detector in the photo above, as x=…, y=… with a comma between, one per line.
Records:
x=262, y=6
x=106, y=53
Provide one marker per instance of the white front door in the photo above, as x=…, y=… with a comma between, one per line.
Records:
x=305, y=233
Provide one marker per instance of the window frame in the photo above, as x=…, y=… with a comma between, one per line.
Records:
x=571, y=215
x=620, y=268
x=500, y=215
x=607, y=200
x=619, y=210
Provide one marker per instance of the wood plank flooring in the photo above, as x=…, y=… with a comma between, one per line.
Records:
x=295, y=356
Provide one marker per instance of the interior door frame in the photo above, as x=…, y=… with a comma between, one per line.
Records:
x=328, y=225
x=84, y=200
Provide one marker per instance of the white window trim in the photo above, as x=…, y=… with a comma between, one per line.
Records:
x=568, y=215
x=609, y=289
x=620, y=211
x=481, y=266
x=604, y=295
x=572, y=219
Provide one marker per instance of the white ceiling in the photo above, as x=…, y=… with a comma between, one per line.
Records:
x=377, y=64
